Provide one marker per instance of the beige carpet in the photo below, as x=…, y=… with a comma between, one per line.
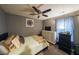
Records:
x=52, y=50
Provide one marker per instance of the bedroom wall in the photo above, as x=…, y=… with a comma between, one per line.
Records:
x=3, y=27
x=51, y=38
x=17, y=25
x=49, y=22
x=76, y=29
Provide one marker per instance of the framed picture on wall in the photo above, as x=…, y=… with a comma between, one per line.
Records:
x=29, y=23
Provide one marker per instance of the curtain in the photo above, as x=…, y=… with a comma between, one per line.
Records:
x=64, y=25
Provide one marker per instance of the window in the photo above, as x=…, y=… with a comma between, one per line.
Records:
x=64, y=25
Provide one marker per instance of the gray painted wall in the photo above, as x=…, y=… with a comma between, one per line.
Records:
x=76, y=29
x=3, y=27
x=17, y=25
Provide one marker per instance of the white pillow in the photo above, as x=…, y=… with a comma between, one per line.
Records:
x=3, y=50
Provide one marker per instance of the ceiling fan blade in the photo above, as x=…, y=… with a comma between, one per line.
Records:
x=45, y=15
x=38, y=11
x=46, y=10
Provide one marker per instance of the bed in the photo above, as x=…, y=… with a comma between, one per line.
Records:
x=32, y=45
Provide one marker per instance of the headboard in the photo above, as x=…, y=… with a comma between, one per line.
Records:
x=3, y=36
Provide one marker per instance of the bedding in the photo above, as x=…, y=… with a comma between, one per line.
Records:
x=39, y=39
x=12, y=42
x=32, y=45
x=3, y=49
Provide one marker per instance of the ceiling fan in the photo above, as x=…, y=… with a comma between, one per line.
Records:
x=39, y=12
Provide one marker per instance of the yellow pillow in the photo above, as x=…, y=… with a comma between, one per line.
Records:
x=9, y=39
x=39, y=39
x=12, y=42
x=16, y=41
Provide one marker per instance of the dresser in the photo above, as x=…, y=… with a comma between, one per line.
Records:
x=49, y=36
x=65, y=42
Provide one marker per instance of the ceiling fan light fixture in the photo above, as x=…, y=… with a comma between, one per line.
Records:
x=40, y=13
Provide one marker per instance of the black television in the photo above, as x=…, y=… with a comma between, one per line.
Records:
x=48, y=28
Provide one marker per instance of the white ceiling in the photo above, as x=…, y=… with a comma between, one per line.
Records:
x=57, y=9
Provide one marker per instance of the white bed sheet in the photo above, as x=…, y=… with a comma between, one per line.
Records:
x=30, y=47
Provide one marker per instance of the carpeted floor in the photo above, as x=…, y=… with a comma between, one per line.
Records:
x=52, y=50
